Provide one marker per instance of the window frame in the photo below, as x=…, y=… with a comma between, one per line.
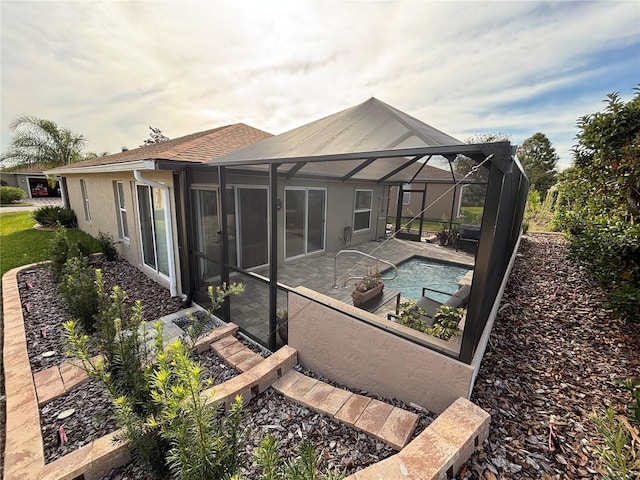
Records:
x=121, y=206
x=85, y=200
x=357, y=211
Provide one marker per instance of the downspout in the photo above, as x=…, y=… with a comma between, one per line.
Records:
x=169, y=223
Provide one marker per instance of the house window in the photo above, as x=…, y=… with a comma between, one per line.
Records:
x=362, y=211
x=122, y=211
x=406, y=196
x=151, y=209
x=85, y=200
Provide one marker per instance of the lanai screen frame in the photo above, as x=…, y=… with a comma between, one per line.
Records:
x=503, y=211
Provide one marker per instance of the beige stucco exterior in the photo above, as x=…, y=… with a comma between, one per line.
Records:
x=340, y=198
x=359, y=355
x=439, y=199
x=104, y=213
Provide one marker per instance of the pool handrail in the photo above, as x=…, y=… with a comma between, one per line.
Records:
x=335, y=267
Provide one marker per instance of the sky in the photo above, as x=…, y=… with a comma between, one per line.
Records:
x=108, y=70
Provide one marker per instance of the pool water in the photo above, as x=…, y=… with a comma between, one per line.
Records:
x=421, y=272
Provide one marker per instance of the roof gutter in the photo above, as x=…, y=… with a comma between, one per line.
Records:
x=105, y=168
x=169, y=230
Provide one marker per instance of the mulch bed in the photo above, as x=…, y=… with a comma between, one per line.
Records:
x=339, y=446
x=42, y=306
x=554, y=355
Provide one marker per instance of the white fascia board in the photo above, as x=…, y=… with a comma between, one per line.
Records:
x=111, y=167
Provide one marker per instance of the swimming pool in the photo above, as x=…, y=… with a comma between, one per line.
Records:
x=419, y=272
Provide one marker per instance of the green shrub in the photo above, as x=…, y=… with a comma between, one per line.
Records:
x=61, y=249
x=204, y=445
x=107, y=246
x=445, y=325
x=50, y=216
x=79, y=291
x=303, y=467
x=11, y=194
x=633, y=387
x=217, y=295
x=620, y=451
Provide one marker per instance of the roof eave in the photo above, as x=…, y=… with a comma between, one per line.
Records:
x=111, y=167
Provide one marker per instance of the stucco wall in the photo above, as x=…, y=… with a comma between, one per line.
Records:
x=340, y=206
x=104, y=217
x=436, y=207
x=365, y=357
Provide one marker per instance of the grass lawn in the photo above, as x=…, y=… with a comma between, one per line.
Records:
x=21, y=244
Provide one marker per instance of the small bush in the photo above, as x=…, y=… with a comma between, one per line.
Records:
x=303, y=467
x=619, y=452
x=11, y=194
x=79, y=291
x=50, y=216
x=61, y=249
x=107, y=246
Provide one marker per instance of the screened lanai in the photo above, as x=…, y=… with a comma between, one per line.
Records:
x=370, y=147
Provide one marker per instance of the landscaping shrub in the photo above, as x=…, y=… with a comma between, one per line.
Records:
x=107, y=246
x=446, y=320
x=50, y=216
x=11, y=194
x=217, y=295
x=158, y=394
x=204, y=445
x=303, y=467
x=61, y=249
x=79, y=291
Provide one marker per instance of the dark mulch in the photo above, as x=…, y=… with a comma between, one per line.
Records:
x=42, y=306
x=555, y=351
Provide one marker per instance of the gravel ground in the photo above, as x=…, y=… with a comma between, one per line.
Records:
x=553, y=357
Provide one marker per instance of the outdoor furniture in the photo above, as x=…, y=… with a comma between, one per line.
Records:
x=468, y=234
x=459, y=299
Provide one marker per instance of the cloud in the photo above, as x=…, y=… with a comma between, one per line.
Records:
x=110, y=69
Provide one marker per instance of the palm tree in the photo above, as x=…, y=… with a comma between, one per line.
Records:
x=41, y=142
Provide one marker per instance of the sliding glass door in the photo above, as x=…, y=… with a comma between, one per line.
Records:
x=208, y=238
x=305, y=212
x=151, y=210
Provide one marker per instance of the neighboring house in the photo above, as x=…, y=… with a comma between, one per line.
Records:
x=32, y=181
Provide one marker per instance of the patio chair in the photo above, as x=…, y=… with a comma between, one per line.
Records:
x=468, y=234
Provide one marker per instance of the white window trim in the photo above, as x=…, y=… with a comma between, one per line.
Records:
x=406, y=196
x=85, y=200
x=156, y=269
x=362, y=210
x=122, y=208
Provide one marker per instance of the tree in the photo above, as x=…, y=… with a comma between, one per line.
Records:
x=156, y=136
x=41, y=142
x=608, y=153
x=474, y=194
x=598, y=201
x=539, y=158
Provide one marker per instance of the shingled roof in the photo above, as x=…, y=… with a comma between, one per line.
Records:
x=194, y=148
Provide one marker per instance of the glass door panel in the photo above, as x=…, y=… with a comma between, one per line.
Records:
x=146, y=226
x=315, y=220
x=253, y=226
x=208, y=246
x=295, y=210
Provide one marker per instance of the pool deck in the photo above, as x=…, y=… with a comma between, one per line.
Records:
x=316, y=272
